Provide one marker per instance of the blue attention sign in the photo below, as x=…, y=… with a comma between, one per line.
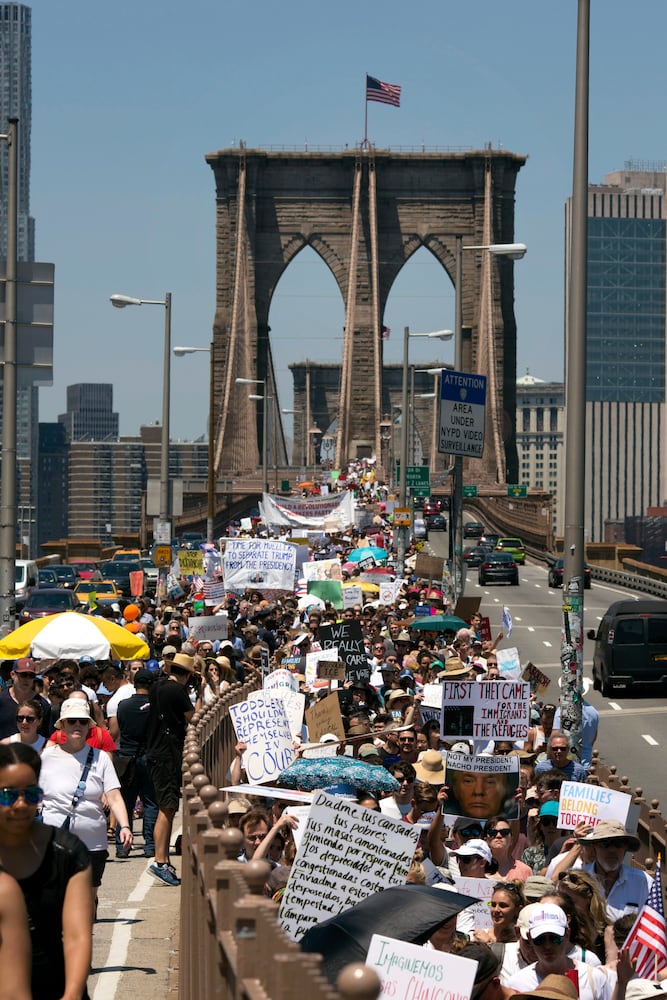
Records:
x=462, y=414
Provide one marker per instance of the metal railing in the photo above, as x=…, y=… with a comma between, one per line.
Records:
x=231, y=944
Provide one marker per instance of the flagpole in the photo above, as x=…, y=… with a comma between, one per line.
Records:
x=365, y=142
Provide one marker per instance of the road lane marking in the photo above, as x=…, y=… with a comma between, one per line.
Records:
x=648, y=710
x=530, y=628
x=545, y=643
x=108, y=981
x=649, y=739
x=617, y=708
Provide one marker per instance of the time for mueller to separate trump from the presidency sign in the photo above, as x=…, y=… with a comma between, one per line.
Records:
x=462, y=405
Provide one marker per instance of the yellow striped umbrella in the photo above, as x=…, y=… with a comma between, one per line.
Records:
x=70, y=634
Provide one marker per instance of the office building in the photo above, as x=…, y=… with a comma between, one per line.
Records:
x=90, y=415
x=626, y=328
x=540, y=428
x=16, y=102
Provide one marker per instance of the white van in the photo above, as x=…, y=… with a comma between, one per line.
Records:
x=25, y=578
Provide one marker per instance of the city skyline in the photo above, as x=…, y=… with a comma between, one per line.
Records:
x=125, y=201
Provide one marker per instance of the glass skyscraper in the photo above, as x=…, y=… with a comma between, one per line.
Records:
x=16, y=102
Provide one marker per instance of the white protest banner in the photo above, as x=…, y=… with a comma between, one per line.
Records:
x=485, y=710
x=308, y=512
x=207, y=627
x=509, y=664
x=387, y=591
x=347, y=853
x=433, y=695
x=258, y=562
x=322, y=569
x=482, y=889
x=590, y=804
x=281, y=680
x=313, y=658
x=352, y=595
x=261, y=723
x=269, y=792
x=409, y=972
x=295, y=703
x=482, y=787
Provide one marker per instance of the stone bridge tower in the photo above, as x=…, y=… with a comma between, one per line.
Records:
x=365, y=212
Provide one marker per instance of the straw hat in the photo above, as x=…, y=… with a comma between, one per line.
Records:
x=431, y=768
x=453, y=668
x=553, y=987
x=184, y=662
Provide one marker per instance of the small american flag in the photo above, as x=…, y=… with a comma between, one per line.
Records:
x=384, y=93
x=214, y=590
x=647, y=941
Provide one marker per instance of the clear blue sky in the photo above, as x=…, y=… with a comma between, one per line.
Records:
x=128, y=98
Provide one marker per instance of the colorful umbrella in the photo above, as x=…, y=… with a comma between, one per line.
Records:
x=366, y=588
x=357, y=555
x=321, y=772
x=71, y=634
x=438, y=623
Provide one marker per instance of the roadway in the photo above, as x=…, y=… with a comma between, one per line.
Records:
x=633, y=729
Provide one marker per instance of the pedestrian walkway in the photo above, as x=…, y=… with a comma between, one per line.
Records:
x=135, y=941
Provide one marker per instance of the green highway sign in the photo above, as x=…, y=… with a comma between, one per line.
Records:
x=417, y=479
x=519, y=490
x=469, y=491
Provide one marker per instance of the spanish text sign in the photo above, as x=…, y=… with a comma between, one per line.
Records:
x=485, y=710
x=580, y=803
x=409, y=971
x=462, y=414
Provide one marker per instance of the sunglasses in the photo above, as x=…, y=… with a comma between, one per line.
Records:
x=26, y=718
x=76, y=722
x=471, y=831
x=548, y=821
x=499, y=833
x=32, y=795
x=612, y=842
x=546, y=939
x=469, y=859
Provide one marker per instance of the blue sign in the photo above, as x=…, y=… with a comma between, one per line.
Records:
x=462, y=414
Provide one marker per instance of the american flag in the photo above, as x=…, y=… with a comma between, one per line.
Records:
x=385, y=93
x=647, y=941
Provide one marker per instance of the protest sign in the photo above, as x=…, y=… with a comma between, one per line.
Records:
x=429, y=567
x=300, y=813
x=538, y=681
x=295, y=703
x=482, y=787
x=312, y=660
x=191, y=562
x=207, y=627
x=264, y=660
x=386, y=591
x=326, y=590
x=485, y=710
x=466, y=607
x=352, y=594
x=366, y=563
x=485, y=629
x=580, y=803
x=481, y=889
x=325, y=717
x=509, y=664
x=281, y=679
x=337, y=510
x=408, y=972
x=347, y=638
x=261, y=723
x=347, y=853
x=258, y=562
x=322, y=569
x=330, y=670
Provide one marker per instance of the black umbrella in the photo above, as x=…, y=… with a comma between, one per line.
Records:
x=408, y=912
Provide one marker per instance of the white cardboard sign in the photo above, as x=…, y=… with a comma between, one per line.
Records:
x=485, y=710
x=580, y=803
x=261, y=723
x=207, y=627
x=482, y=889
x=408, y=971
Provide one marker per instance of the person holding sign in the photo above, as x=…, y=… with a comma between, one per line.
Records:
x=499, y=838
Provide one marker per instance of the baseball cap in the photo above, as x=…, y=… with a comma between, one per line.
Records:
x=368, y=750
x=547, y=918
x=549, y=808
x=26, y=665
x=475, y=847
x=460, y=748
x=168, y=651
x=537, y=886
x=144, y=677
x=643, y=989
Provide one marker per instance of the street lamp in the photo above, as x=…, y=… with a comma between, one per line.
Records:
x=403, y=490
x=8, y=485
x=120, y=302
x=264, y=398
x=514, y=251
x=210, y=481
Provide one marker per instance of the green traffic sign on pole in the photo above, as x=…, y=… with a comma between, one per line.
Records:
x=469, y=491
x=519, y=490
x=418, y=478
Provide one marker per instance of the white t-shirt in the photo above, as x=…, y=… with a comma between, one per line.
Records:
x=594, y=983
x=37, y=745
x=123, y=692
x=60, y=775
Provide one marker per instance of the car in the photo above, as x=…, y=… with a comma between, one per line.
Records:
x=126, y=555
x=151, y=573
x=85, y=567
x=118, y=571
x=555, y=575
x=46, y=578
x=105, y=591
x=67, y=576
x=431, y=506
x=435, y=522
x=474, y=555
x=419, y=529
x=515, y=548
x=630, y=646
x=473, y=529
x=193, y=539
x=490, y=538
x=418, y=503
x=49, y=601
x=498, y=567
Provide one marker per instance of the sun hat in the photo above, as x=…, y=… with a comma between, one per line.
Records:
x=73, y=708
x=453, y=668
x=397, y=695
x=475, y=847
x=549, y=808
x=642, y=989
x=537, y=886
x=184, y=662
x=168, y=651
x=431, y=767
x=547, y=918
x=554, y=987
x=612, y=829
x=238, y=806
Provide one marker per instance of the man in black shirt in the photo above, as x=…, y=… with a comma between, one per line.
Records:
x=169, y=713
x=22, y=690
x=130, y=759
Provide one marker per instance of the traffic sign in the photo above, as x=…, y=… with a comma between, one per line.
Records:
x=519, y=490
x=462, y=414
x=418, y=478
x=402, y=516
x=162, y=556
x=469, y=491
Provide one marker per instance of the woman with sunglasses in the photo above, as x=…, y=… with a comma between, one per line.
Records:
x=29, y=717
x=53, y=870
x=542, y=833
x=498, y=836
x=78, y=781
